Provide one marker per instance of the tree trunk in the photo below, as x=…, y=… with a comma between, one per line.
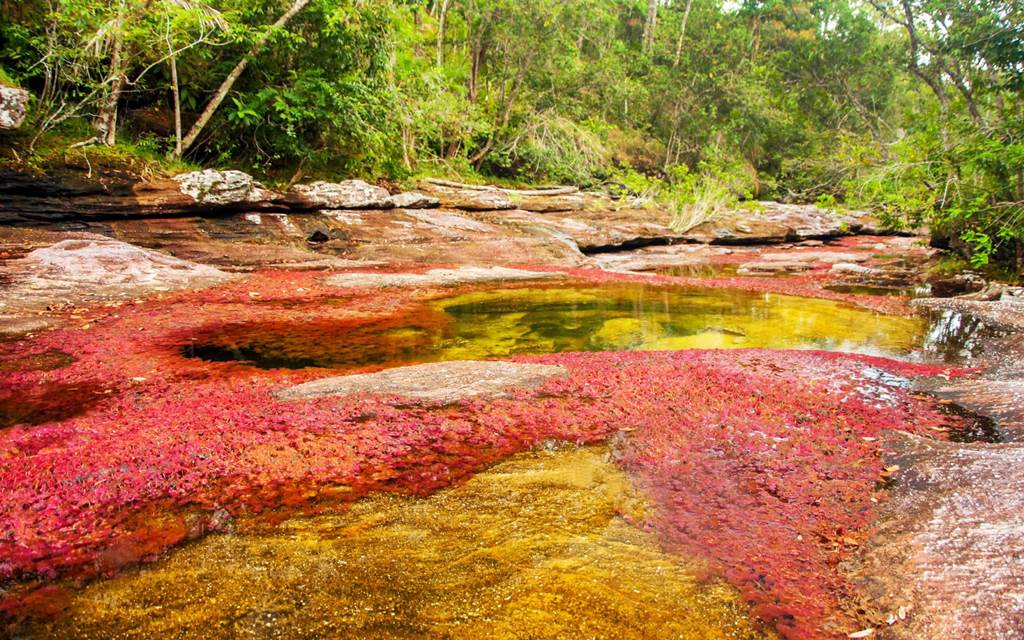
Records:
x=441, y=19
x=682, y=33
x=650, y=24
x=225, y=87
x=175, y=93
x=106, y=120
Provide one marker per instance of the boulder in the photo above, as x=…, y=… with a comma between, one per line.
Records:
x=414, y=200
x=436, y=277
x=213, y=187
x=13, y=106
x=964, y=283
x=348, y=194
x=438, y=382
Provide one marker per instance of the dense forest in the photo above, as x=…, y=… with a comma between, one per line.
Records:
x=911, y=107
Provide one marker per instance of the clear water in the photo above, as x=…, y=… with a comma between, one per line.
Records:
x=535, y=320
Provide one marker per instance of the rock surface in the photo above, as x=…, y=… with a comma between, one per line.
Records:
x=549, y=204
x=89, y=268
x=774, y=222
x=414, y=200
x=469, y=199
x=13, y=107
x=947, y=546
x=771, y=267
x=438, y=382
x=349, y=194
x=436, y=277
x=948, y=539
x=223, y=188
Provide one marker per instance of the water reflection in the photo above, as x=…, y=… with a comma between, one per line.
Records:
x=534, y=320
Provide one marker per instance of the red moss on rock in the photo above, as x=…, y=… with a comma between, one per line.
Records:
x=762, y=462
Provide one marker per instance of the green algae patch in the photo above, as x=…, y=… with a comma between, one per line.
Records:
x=538, y=546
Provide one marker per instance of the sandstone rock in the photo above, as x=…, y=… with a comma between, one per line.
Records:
x=662, y=257
x=548, y=204
x=415, y=200
x=13, y=107
x=469, y=199
x=96, y=268
x=213, y=187
x=855, y=269
x=436, y=277
x=946, y=541
x=20, y=325
x=348, y=194
x=772, y=267
x=774, y=222
x=439, y=382
x=956, y=285
x=827, y=257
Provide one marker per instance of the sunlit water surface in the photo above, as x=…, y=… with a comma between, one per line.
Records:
x=535, y=547
x=534, y=320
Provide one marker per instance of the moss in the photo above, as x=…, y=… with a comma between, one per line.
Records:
x=52, y=151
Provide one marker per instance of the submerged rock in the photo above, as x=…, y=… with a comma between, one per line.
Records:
x=348, y=194
x=772, y=267
x=436, y=277
x=13, y=107
x=437, y=382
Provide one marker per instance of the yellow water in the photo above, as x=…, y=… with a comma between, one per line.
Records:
x=536, y=547
x=501, y=322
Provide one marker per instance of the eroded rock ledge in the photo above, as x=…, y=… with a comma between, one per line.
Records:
x=213, y=203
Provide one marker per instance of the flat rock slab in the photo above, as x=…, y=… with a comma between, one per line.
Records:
x=947, y=548
x=91, y=267
x=827, y=257
x=436, y=277
x=771, y=267
x=774, y=222
x=469, y=199
x=436, y=382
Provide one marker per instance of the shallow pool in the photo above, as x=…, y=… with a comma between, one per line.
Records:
x=534, y=320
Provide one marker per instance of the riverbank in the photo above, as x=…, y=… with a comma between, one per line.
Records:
x=139, y=444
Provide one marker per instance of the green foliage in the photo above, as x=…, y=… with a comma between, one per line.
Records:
x=828, y=101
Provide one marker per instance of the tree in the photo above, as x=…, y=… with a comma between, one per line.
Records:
x=222, y=91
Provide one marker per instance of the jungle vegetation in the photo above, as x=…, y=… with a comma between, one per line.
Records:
x=911, y=107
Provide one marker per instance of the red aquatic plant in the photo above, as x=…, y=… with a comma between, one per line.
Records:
x=762, y=462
